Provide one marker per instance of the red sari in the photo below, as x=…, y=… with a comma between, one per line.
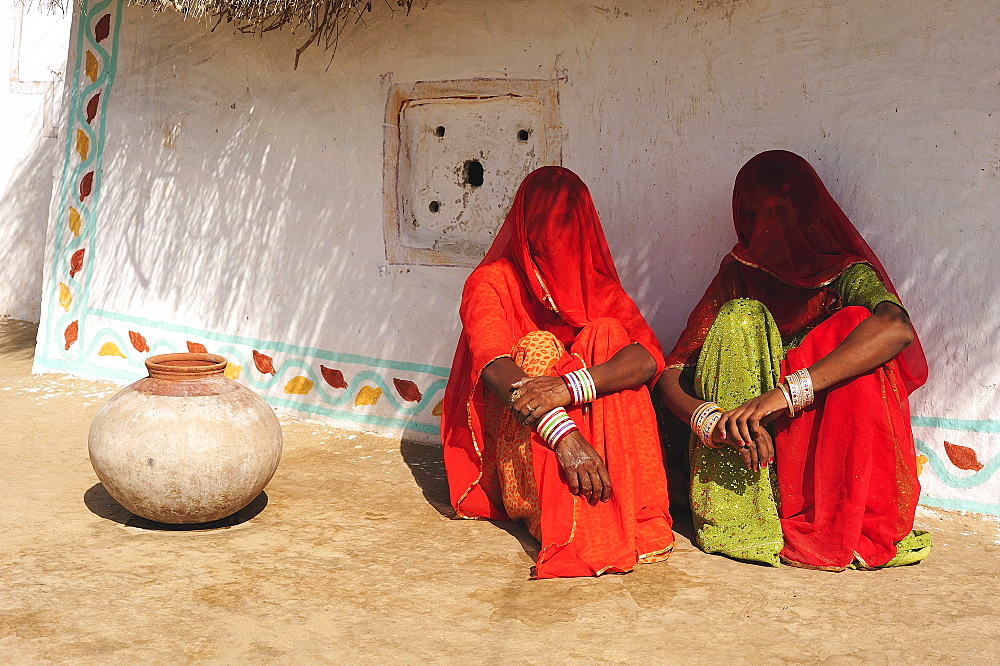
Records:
x=549, y=269
x=846, y=465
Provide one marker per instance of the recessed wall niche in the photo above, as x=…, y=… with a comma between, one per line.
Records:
x=455, y=153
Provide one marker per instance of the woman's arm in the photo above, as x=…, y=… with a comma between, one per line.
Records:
x=631, y=366
x=532, y=397
x=874, y=342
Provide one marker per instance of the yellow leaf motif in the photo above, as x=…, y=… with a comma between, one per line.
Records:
x=91, y=67
x=233, y=371
x=299, y=385
x=921, y=461
x=74, y=221
x=65, y=297
x=368, y=395
x=437, y=411
x=82, y=144
x=110, y=349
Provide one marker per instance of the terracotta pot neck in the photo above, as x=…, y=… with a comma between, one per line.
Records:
x=182, y=367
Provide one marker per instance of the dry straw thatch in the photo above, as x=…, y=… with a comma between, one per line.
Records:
x=323, y=19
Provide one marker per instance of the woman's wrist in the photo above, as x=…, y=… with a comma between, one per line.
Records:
x=704, y=420
x=554, y=426
x=581, y=386
x=798, y=391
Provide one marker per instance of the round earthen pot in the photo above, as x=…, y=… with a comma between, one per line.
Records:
x=185, y=444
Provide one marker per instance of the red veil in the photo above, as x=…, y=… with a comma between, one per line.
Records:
x=791, y=282
x=561, y=281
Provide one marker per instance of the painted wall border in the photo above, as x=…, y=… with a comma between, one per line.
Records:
x=78, y=339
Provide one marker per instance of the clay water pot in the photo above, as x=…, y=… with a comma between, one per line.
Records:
x=185, y=444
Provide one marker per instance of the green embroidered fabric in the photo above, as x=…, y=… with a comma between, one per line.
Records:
x=859, y=284
x=734, y=509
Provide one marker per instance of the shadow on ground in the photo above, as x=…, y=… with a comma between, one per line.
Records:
x=427, y=468
x=17, y=340
x=104, y=505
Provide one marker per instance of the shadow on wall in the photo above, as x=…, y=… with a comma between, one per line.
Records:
x=24, y=212
x=237, y=205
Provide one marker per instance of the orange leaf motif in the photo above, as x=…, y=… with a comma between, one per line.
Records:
x=962, y=457
x=438, y=408
x=196, y=348
x=91, y=67
x=76, y=262
x=103, y=28
x=138, y=342
x=368, y=395
x=74, y=221
x=334, y=378
x=86, y=185
x=72, y=333
x=82, y=144
x=92, y=107
x=407, y=390
x=264, y=363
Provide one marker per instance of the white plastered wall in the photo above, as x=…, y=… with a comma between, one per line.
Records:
x=33, y=46
x=243, y=197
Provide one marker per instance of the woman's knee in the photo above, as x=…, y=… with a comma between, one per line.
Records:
x=743, y=313
x=537, y=351
x=610, y=327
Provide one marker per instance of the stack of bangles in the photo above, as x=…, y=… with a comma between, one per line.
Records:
x=554, y=426
x=798, y=392
x=581, y=386
x=703, y=421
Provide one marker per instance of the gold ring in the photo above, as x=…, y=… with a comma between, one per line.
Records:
x=514, y=395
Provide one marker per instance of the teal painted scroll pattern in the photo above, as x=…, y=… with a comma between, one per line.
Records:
x=955, y=475
x=75, y=226
x=344, y=387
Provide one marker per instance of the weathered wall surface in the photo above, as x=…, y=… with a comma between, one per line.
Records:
x=236, y=204
x=32, y=61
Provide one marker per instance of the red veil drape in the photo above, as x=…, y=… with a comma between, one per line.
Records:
x=848, y=460
x=548, y=269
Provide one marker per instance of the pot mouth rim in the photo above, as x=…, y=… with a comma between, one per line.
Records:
x=181, y=366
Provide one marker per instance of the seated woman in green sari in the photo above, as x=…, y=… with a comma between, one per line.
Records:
x=794, y=372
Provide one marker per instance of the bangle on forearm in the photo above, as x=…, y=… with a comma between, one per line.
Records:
x=799, y=392
x=788, y=399
x=581, y=386
x=554, y=426
x=703, y=421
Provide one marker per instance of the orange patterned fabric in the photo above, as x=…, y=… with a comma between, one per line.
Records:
x=550, y=270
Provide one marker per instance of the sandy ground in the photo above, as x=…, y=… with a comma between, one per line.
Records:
x=351, y=557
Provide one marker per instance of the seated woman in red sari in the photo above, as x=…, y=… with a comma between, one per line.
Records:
x=547, y=416
x=802, y=328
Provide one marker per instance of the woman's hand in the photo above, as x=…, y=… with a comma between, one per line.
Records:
x=743, y=428
x=534, y=397
x=586, y=473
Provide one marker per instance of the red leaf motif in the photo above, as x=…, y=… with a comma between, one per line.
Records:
x=197, y=348
x=334, y=378
x=72, y=333
x=92, y=107
x=103, y=28
x=407, y=390
x=138, y=342
x=76, y=262
x=264, y=363
x=86, y=185
x=962, y=457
